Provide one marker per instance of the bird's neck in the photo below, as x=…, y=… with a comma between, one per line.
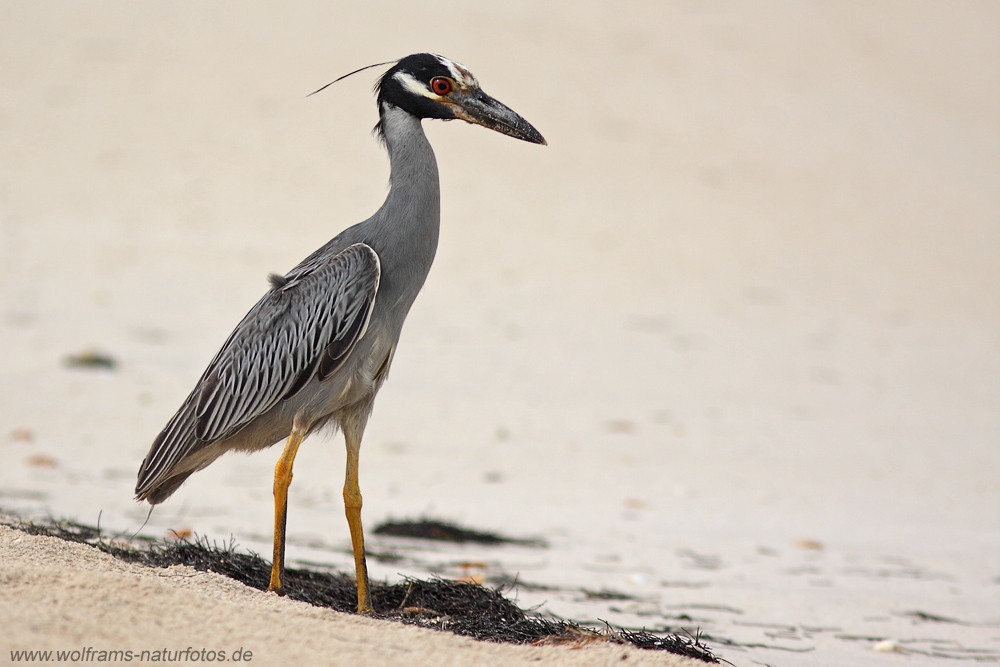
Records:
x=405, y=229
x=413, y=177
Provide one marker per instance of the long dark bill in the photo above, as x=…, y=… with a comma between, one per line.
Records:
x=481, y=109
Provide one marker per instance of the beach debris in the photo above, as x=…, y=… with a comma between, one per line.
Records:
x=41, y=461
x=924, y=617
x=444, y=531
x=887, y=646
x=22, y=435
x=90, y=359
x=706, y=606
x=810, y=544
x=606, y=594
x=700, y=561
x=638, y=578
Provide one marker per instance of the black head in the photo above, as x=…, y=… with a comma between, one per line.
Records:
x=430, y=86
x=407, y=85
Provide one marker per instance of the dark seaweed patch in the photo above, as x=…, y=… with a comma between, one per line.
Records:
x=90, y=359
x=442, y=531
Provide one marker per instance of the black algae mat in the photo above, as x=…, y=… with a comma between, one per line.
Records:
x=462, y=608
x=442, y=531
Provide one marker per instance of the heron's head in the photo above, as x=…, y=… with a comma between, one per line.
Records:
x=430, y=86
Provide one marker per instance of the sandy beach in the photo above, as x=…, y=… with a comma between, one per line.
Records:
x=81, y=599
x=729, y=344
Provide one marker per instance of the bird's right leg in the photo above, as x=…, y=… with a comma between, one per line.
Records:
x=282, y=480
x=352, y=507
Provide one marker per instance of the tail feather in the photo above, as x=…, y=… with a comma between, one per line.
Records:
x=163, y=490
x=158, y=475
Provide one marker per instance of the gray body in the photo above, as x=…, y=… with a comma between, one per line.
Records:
x=403, y=234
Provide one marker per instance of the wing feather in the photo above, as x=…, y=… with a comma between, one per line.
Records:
x=307, y=324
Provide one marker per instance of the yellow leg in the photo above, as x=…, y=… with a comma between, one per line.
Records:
x=282, y=480
x=352, y=506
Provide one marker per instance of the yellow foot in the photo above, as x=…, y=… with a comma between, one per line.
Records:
x=274, y=586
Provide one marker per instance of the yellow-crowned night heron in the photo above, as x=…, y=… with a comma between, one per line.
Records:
x=316, y=348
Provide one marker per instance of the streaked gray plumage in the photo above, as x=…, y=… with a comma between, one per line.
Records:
x=316, y=348
x=302, y=331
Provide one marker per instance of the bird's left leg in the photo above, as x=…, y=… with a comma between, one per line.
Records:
x=282, y=480
x=352, y=506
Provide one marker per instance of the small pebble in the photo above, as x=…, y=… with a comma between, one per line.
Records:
x=807, y=543
x=22, y=435
x=887, y=646
x=42, y=461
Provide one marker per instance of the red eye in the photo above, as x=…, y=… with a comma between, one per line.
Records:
x=441, y=85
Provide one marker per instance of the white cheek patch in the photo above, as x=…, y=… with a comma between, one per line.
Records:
x=414, y=86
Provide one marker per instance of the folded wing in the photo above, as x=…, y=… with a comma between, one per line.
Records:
x=305, y=326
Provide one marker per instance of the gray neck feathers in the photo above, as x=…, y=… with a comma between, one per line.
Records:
x=405, y=230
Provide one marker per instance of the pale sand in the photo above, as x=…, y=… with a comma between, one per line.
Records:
x=729, y=342
x=61, y=595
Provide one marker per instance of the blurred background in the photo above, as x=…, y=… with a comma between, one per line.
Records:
x=732, y=338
